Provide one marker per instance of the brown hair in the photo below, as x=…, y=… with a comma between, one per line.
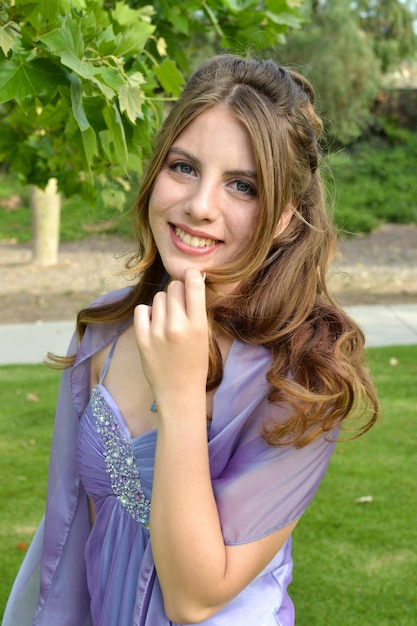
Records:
x=282, y=301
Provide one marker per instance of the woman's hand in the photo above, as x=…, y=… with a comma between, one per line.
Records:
x=172, y=338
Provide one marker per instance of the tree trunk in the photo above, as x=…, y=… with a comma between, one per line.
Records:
x=45, y=206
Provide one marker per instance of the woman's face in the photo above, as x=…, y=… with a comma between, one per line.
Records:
x=204, y=204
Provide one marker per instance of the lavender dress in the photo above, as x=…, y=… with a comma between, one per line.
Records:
x=107, y=577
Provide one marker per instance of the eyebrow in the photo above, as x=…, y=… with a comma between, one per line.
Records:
x=194, y=159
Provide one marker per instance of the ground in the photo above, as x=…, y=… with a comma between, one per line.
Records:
x=377, y=268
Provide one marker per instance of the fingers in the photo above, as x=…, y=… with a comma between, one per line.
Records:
x=150, y=321
x=176, y=312
x=142, y=322
x=172, y=335
x=195, y=295
x=184, y=301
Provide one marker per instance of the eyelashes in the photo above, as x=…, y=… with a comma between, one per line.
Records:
x=243, y=186
x=182, y=167
x=239, y=185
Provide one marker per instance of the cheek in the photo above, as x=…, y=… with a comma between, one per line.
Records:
x=153, y=214
x=247, y=227
x=162, y=198
x=154, y=201
x=157, y=207
x=158, y=190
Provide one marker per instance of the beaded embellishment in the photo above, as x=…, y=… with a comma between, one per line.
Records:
x=120, y=461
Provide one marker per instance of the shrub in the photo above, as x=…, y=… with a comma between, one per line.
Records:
x=375, y=182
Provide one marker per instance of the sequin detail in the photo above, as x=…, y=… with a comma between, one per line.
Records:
x=120, y=461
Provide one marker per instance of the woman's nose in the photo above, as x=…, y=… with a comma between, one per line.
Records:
x=203, y=202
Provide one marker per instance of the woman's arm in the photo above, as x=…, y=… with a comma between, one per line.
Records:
x=198, y=574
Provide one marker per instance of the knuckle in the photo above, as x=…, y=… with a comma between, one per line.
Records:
x=175, y=333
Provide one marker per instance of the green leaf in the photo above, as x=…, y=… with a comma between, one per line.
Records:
x=77, y=103
x=233, y=5
x=43, y=12
x=53, y=117
x=116, y=137
x=67, y=43
x=6, y=40
x=111, y=77
x=126, y=16
x=26, y=40
x=277, y=6
x=133, y=39
x=90, y=146
x=107, y=91
x=107, y=41
x=24, y=81
x=179, y=19
x=170, y=77
x=39, y=11
x=286, y=19
x=131, y=96
x=135, y=161
x=295, y=4
x=112, y=197
x=133, y=28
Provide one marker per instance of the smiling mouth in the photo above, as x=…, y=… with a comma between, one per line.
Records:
x=192, y=240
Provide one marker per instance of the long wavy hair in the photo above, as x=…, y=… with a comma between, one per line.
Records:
x=282, y=300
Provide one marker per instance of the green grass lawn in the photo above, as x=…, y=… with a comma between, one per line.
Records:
x=355, y=564
x=28, y=395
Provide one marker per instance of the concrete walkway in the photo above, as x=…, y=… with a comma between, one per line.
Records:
x=384, y=325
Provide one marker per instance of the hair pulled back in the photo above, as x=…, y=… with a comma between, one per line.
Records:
x=282, y=300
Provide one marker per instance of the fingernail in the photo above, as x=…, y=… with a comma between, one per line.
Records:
x=203, y=276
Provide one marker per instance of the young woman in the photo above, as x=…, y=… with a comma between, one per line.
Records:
x=199, y=413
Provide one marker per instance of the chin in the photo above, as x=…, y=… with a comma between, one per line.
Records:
x=177, y=272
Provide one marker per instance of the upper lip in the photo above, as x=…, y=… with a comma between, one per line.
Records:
x=195, y=233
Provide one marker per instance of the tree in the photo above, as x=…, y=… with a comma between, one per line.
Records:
x=84, y=83
x=339, y=59
x=390, y=23
x=345, y=48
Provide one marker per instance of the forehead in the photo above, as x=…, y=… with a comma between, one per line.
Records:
x=216, y=132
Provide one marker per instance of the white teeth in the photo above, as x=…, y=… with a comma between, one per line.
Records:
x=194, y=242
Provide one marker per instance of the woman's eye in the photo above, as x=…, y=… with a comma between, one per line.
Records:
x=182, y=167
x=242, y=186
